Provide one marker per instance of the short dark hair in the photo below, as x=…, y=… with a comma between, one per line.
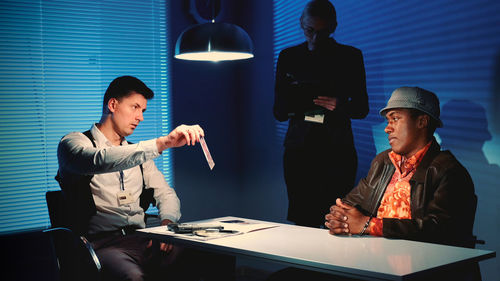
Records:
x=124, y=85
x=431, y=126
x=322, y=9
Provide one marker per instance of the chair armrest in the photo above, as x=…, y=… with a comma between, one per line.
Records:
x=73, y=252
x=92, y=253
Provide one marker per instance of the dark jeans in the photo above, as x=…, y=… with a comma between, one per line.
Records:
x=129, y=258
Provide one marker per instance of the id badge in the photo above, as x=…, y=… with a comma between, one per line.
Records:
x=317, y=118
x=124, y=198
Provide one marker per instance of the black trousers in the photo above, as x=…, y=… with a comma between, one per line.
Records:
x=315, y=177
x=129, y=258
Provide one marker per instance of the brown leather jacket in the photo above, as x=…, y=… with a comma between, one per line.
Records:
x=443, y=202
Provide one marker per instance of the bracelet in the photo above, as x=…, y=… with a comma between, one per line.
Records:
x=365, y=227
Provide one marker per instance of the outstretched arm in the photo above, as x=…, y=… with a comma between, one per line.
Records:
x=76, y=153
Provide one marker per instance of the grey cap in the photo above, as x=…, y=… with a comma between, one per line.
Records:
x=416, y=98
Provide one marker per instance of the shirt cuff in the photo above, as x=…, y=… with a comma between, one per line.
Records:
x=376, y=227
x=150, y=148
x=172, y=218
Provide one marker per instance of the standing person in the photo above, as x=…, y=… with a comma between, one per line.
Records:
x=320, y=86
x=104, y=178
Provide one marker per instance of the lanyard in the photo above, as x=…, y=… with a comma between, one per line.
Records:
x=122, y=184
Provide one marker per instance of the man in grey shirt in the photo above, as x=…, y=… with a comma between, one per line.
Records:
x=119, y=172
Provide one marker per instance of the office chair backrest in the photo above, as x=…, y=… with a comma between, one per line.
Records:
x=57, y=209
x=76, y=258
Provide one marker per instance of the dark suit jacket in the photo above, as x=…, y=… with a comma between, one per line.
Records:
x=336, y=70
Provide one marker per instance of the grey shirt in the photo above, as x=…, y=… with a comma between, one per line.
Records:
x=106, y=162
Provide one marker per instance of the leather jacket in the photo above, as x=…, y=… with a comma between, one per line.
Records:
x=442, y=200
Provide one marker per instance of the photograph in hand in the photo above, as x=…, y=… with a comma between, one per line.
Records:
x=204, y=147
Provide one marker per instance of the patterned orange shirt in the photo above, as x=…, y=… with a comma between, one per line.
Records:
x=396, y=200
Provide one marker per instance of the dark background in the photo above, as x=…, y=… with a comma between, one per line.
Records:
x=232, y=101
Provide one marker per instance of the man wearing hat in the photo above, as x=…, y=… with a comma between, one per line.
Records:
x=414, y=190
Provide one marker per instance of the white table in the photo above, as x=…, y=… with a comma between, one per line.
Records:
x=364, y=257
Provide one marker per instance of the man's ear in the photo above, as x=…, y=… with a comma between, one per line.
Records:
x=423, y=121
x=112, y=104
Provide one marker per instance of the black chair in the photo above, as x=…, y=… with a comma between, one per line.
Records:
x=474, y=237
x=76, y=259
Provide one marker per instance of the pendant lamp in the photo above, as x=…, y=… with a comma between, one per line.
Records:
x=214, y=41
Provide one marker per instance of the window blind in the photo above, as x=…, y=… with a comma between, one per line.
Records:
x=287, y=33
x=57, y=59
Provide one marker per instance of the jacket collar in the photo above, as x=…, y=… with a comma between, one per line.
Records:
x=421, y=171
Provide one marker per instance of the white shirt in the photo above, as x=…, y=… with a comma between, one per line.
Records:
x=77, y=155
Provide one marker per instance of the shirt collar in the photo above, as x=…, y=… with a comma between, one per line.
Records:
x=100, y=139
x=410, y=163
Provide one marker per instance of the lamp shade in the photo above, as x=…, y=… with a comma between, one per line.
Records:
x=214, y=42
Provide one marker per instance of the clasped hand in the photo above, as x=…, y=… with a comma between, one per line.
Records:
x=345, y=219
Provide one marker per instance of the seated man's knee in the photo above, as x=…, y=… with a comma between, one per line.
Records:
x=117, y=265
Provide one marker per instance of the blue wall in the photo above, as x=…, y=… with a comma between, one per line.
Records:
x=208, y=94
x=232, y=101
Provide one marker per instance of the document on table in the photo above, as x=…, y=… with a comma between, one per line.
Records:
x=230, y=227
x=244, y=226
